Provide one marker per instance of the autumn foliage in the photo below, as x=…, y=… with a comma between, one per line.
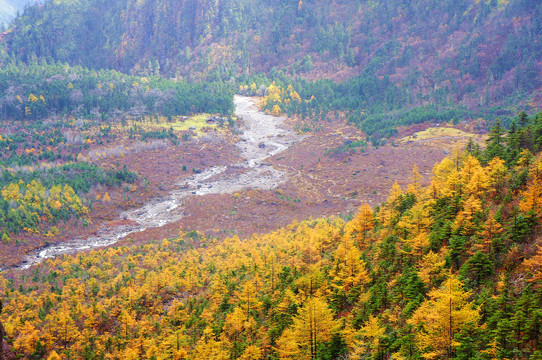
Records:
x=415, y=277
x=451, y=270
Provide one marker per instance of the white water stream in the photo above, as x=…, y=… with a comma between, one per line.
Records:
x=262, y=137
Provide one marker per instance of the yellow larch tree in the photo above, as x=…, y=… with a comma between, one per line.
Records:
x=276, y=111
x=349, y=271
x=294, y=96
x=248, y=298
x=253, y=89
x=442, y=170
x=287, y=345
x=11, y=192
x=532, y=197
x=388, y=211
x=106, y=198
x=54, y=356
x=65, y=328
x=465, y=218
x=218, y=291
x=491, y=229
x=413, y=229
x=235, y=322
x=311, y=283
x=364, y=220
x=313, y=324
x=458, y=157
x=127, y=323
x=446, y=178
x=415, y=181
x=210, y=348
x=417, y=244
x=443, y=315
x=361, y=224
x=175, y=345
x=272, y=269
x=369, y=335
x=130, y=353
x=469, y=167
x=479, y=182
x=395, y=192
x=497, y=175
x=288, y=299
x=533, y=265
x=27, y=339
x=431, y=267
x=252, y=352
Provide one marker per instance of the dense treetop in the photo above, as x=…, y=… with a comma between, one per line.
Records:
x=40, y=90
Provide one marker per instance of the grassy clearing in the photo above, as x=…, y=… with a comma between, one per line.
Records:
x=178, y=123
x=198, y=121
x=437, y=132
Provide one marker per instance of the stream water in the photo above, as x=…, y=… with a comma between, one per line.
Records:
x=262, y=137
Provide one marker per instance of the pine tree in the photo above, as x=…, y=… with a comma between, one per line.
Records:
x=495, y=143
x=477, y=268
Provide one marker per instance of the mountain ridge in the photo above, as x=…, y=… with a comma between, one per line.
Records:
x=467, y=47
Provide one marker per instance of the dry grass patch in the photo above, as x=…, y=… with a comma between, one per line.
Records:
x=178, y=123
x=433, y=133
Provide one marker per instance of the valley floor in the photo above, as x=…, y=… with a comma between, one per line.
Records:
x=265, y=177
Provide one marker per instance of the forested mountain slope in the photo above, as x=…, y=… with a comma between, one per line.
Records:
x=470, y=52
x=446, y=271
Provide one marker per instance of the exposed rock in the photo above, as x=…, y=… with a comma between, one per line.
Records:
x=217, y=120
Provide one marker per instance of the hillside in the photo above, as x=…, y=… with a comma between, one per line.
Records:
x=390, y=64
x=451, y=270
x=473, y=53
